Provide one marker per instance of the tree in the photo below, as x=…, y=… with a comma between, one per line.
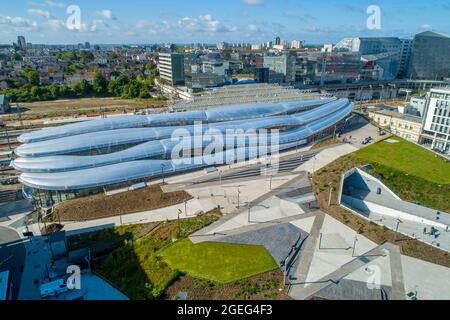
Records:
x=117, y=87
x=35, y=93
x=54, y=90
x=100, y=84
x=32, y=77
x=83, y=88
x=16, y=57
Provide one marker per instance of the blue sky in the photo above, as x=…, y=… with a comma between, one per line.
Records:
x=211, y=21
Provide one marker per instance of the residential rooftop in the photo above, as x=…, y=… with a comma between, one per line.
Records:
x=398, y=115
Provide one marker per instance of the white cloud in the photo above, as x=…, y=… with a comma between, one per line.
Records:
x=253, y=2
x=206, y=23
x=47, y=3
x=18, y=22
x=253, y=28
x=426, y=27
x=41, y=13
x=59, y=25
x=107, y=14
x=54, y=4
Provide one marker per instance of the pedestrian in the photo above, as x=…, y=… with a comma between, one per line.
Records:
x=425, y=230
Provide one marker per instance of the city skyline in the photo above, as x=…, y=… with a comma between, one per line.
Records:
x=251, y=21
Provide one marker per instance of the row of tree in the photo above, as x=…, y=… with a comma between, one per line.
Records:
x=122, y=87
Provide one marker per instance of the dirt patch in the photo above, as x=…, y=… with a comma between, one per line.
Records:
x=261, y=287
x=81, y=107
x=102, y=206
x=378, y=234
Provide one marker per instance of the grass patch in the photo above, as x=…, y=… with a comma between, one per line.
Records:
x=414, y=189
x=413, y=173
x=407, y=157
x=408, y=186
x=136, y=267
x=265, y=286
x=221, y=262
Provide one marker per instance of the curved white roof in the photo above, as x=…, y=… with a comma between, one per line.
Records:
x=45, y=168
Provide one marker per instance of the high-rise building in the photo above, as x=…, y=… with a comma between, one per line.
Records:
x=374, y=45
x=171, y=68
x=405, y=57
x=436, y=123
x=21, y=43
x=283, y=64
x=384, y=53
x=277, y=41
x=296, y=44
x=87, y=45
x=222, y=46
x=430, y=56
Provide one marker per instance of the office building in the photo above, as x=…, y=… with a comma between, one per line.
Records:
x=436, y=124
x=201, y=80
x=21, y=43
x=171, y=68
x=405, y=57
x=215, y=66
x=277, y=41
x=430, y=56
x=370, y=45
x=384, y=54
x=282, y=64
x=380, y=67
x=337, y=67
x=296, y=44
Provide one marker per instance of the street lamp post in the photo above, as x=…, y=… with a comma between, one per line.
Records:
x=314, y=164
x=354, y=245
x=179, y=223
x=185, y=208
x=238, y=195
x=331, y=192
x=162, y=173
x=397, y=227
x=120, y=216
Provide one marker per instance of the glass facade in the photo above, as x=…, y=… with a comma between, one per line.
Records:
x=430, y=57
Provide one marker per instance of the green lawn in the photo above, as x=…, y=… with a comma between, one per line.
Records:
x=409, y=158
x=413, y=173
x=136, y=267
x=220, y=262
